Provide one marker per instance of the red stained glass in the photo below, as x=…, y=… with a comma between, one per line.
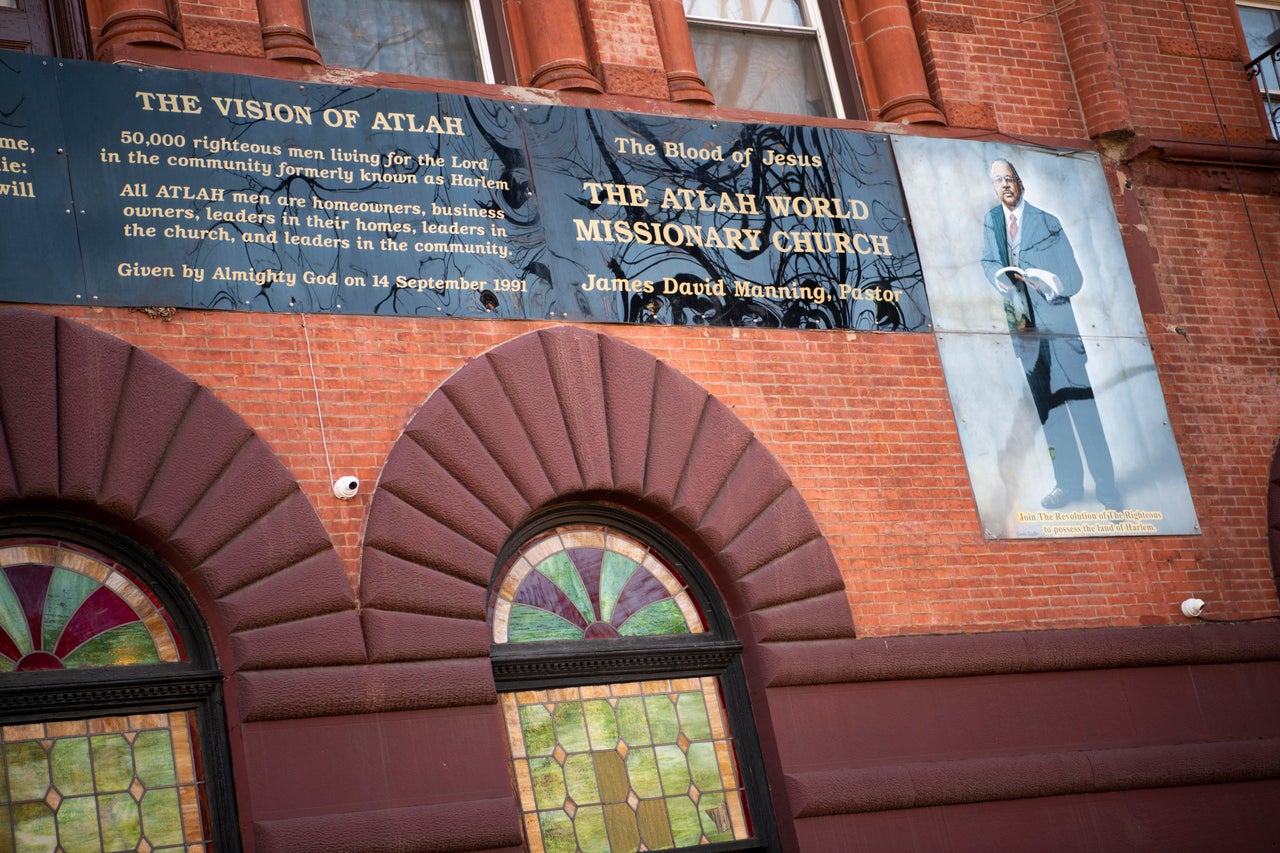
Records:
x=63, y=607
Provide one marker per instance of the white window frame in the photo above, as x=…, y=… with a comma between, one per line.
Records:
x=1270, y=95
x=815, y=27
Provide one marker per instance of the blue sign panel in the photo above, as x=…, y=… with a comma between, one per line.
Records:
x=144, y=187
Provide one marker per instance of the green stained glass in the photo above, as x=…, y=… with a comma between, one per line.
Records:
x=704, y=769
x=620, y=823
x=642, y=768
x=662, y=718
x=686, y=825
x=557, y=832
x=125, y=645
x=692, y=710
x=6, y=825
x=78, y=827
x=121, y=821
x=153, y=756
x=12, y=621
x=673, y=768
x=530, y=623
x=67, y=591
x=28, y=771
x=661, y=617
x=635, y=793
x=589, y=824
x=162, y=817
x=633, y=722
x=561, y=571
x=34, y=828
x=580, y=778
x=95, y=790
x=548, y=782
x=91, y=613
x=571, y=728
x=112, y=762
x=557, y=600
x=615, y=571
x=72, y=772
x=602, y=726
x=655, y=829
x=612, y=773
x=538, y=728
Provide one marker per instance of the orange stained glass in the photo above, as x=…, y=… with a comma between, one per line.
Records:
x=108, y=783
x=642, y=765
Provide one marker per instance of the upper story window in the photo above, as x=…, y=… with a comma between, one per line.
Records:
x=423, y=38
x=1261, y=25
x=622, y=692
x=111, y=730
x=45, y=27
x=769, y=55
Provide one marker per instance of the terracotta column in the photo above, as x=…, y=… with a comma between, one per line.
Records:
x=284, y=31
x=1095, y=69
x=894, y=66
x=683, y=79
x=551, y=50
x=127, y=22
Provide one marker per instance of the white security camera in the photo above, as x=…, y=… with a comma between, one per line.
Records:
x=345, y=488
x=1192, y=608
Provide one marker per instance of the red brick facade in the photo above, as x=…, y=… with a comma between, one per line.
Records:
x=1010, y=699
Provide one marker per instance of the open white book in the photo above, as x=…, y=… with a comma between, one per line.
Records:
x=1013, y=282
x=1015, y=278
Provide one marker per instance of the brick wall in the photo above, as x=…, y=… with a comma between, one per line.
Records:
x=862, y=422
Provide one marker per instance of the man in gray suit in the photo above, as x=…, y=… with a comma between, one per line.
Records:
x=1028, y=259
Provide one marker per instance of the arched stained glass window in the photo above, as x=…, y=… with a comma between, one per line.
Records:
x=575, y=583
x=63, y=607
x=110, y=713
x=615, y=672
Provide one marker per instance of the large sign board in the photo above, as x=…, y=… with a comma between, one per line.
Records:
x=139, y=187
x=144, y=187
x=1046, y=357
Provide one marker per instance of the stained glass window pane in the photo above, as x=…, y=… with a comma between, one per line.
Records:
x=65, y=607
x=103, y=784
x=613, y=767
x=583, y=582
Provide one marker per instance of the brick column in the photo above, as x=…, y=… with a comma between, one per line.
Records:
x=1095, y=69
x=897, y=89
x=284, y=31
x=622, y=45
x=683, y=80
x=135, y=22
x=550, y=50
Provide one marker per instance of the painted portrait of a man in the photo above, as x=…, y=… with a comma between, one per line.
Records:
x=1057, y=403
x=1029, y=260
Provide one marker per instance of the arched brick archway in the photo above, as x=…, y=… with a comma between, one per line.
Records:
x=567, y=413
x=91, y=424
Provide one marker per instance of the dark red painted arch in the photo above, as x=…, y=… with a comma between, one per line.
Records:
x=567, y=413
x=86, y=420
